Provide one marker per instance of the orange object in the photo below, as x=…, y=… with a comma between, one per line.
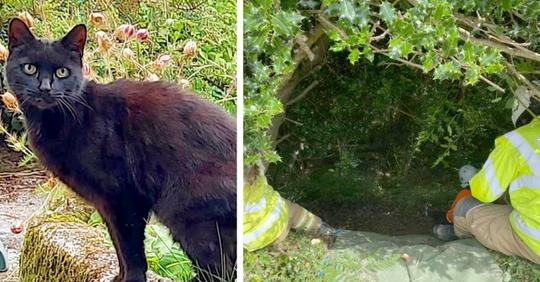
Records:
x=462, y=194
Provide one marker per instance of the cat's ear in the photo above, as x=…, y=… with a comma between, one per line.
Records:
x=19, y=33
x=75, y=39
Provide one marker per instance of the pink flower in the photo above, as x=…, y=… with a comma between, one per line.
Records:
x=87, y=71
x=142, y=34
x=164, y=59
x=162, y=62
x=128, y=53
x=153, y=77
x=124, y=31
x=190, y=49
x=103, y=40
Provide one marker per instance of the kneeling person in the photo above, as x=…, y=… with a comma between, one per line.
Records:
x=268, y=217
x=513, y=165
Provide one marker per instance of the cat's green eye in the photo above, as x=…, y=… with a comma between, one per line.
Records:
x=29, y=69
x=62, y=72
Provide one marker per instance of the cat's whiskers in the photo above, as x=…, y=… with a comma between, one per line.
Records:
x=60, y=106
x=79, y=99
x=24, y=100
x=70, y=108
x=62, y=102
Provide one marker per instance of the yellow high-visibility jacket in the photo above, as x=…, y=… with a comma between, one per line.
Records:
x=266, y=214
x=514, y=164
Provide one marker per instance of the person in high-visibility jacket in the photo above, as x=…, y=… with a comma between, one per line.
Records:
x=268, y=217
x=513, y=165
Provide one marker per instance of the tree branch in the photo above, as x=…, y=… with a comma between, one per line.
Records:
x=303, y=94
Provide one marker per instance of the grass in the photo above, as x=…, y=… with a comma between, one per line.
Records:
x=518, y=269
x=295, y=259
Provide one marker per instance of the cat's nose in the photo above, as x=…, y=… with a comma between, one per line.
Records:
x=45, y=85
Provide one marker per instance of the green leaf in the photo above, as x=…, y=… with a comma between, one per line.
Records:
x=387, y=12
x=362, y=16
x=95, y=219
x=468, y=52
x=489, y=57
x=471, y=76
x=311, y=4
x=447, y=70
x=346, y=10
x=285, y=23
x=338, y=46
x=428, y=61
x=354, y=55
x=368, y=53
x=404, y=48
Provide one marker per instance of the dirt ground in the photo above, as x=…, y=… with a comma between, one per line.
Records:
x=379, y=219
x=368, y=200
x=18, y=201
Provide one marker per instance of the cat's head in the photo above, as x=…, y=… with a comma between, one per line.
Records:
x=43, y=72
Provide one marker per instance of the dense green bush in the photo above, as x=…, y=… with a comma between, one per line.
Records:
x=402, y=115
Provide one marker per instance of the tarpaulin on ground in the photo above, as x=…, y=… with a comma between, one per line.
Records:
x=365, y=256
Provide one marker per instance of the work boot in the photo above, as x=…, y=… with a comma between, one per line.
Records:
x=328, y=234
x=444, y=232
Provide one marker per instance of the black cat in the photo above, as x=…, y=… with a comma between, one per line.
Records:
x=129, y=148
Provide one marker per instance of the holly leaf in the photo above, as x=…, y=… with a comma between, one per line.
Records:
x=387, y=12
x=310, y=4
x=447, y=71
x=346, y=10
x=472, y=75
x=354, y=56
x=285, y=22
x=428, y=61
x=362, y=16
x=368, y=53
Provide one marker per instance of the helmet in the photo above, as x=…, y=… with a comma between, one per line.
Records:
x=466, y=172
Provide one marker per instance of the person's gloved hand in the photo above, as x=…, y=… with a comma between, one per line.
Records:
x=328, y=234
x=463, y=193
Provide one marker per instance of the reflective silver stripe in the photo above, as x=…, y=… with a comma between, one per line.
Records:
x=525, y=181
x=491, y=178
x=526, y=151
x=269, y=222
x=535, y=233
x=301, y=220
x=311, y=220
x=258, y=206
